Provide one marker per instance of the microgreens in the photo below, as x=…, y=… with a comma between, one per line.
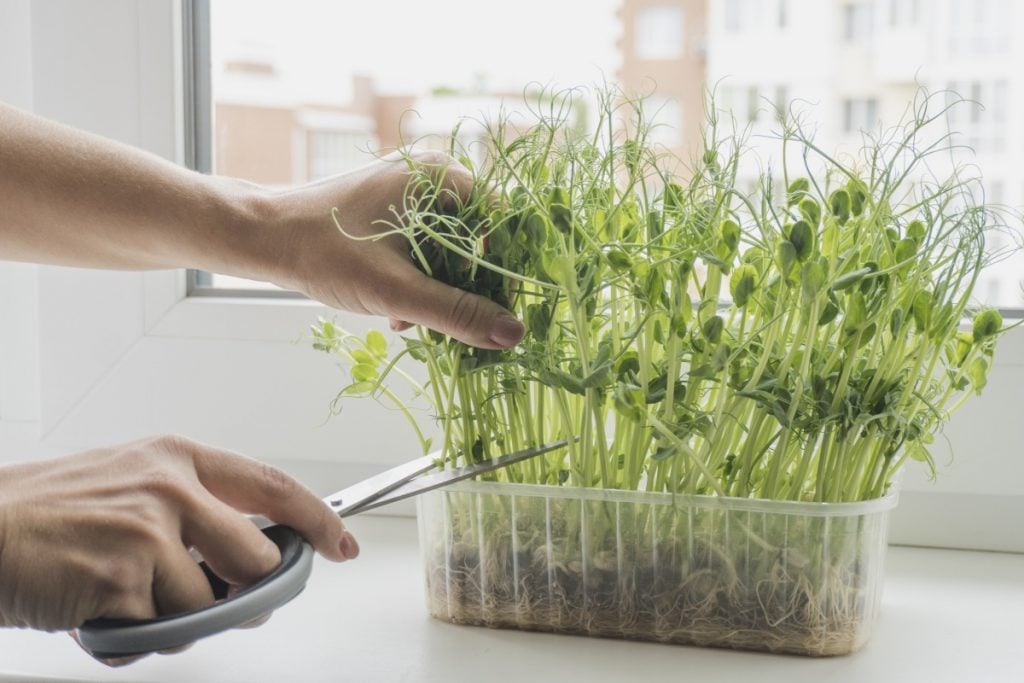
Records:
x=697, y=338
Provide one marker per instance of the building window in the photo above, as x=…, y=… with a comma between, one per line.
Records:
x=750, y=104
x=658, y=32
x=741, y=15
x=857, y=23
x=331, y=152
x=981, y=123
x=860, y=114
x=903, y=13
x=982, y=28
x=666, y=119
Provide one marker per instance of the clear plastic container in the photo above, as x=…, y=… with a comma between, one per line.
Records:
x=802, y=578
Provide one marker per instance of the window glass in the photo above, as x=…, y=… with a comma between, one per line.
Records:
x=659, y=32
x=293, y=105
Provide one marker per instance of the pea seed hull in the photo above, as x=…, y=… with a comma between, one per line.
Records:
x=754, y=575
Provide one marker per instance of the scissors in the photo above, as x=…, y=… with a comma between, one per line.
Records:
x=110, y=638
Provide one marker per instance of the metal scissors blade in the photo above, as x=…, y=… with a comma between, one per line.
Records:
x=404, y=481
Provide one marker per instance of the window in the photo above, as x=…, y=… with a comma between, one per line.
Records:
x=251, y=388
x=292, y=106
x=860, y=114
x=903, y=13
x=741, y=15
x=659, y=32
x=857, y=28
x=982, y=123
x=666, y=121
x=981, y=28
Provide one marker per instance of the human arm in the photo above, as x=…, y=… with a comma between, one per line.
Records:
x=72, y=198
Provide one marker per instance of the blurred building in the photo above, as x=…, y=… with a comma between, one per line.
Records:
x=855, y=65
x=262, y=135
x=663, y=46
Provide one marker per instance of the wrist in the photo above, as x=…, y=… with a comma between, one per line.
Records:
x=243, y=232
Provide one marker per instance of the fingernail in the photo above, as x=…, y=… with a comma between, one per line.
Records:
x=349, y=547
x=506, y=330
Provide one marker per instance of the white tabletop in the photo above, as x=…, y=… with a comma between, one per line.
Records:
x=946, y=616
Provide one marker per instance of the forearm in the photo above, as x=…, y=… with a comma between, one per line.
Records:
x=72, y=198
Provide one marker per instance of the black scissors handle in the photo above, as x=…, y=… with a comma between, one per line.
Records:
x=111, y=638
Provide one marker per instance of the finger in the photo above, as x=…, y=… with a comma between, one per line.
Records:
x=233, y=548
x=255, y=487
x=258, y=621
x=470, y=318
x=112, y=662
x=179, y=585
x=398, y=325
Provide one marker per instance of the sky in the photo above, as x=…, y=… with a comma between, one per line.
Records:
x=412, y=46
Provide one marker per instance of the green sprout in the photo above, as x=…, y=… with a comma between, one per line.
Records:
x=692, y=337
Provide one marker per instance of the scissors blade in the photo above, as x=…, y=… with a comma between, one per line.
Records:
x=417, y=485
x=349, y=498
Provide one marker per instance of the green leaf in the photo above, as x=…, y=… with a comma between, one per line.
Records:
x=850, y=279
x=664, y=453
x=629, y=401
x=598, y=376
x=785, y=252
x=655, y=224
x=916, y=231
x=559, y=209
x=978, y=372
x=918, y=452
x=986, y=324
x=560, y=378
x=363, y=356
x=377, y=343
x=858, y=196
x=856, y=313
x=743, y=283
x=802, y=236
x=829, y=313
x=538, y=320
x=905, y=251
x=812, y=280
x=811, y=211
x=839, y=205
x=619, y=260
x=796, y=190
x=358, y=388
x=922, y=310
x=730, y=232
x=712, y=328
x=417, y=349
x=364, y=372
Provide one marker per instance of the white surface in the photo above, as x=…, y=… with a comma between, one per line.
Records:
x=946, y=616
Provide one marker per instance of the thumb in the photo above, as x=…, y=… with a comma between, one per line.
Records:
x=470, y=318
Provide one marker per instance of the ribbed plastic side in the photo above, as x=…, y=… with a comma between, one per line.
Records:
x=802, y=578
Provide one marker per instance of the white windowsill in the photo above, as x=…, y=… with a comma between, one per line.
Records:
x=946, y=616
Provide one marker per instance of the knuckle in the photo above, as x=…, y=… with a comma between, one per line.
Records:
x=464, y=312
x=173, y=445
x=432, y=158
x=276, y=483
x=125, y=581
x=164, y=484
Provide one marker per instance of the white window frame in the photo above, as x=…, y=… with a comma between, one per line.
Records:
x=91, y=357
